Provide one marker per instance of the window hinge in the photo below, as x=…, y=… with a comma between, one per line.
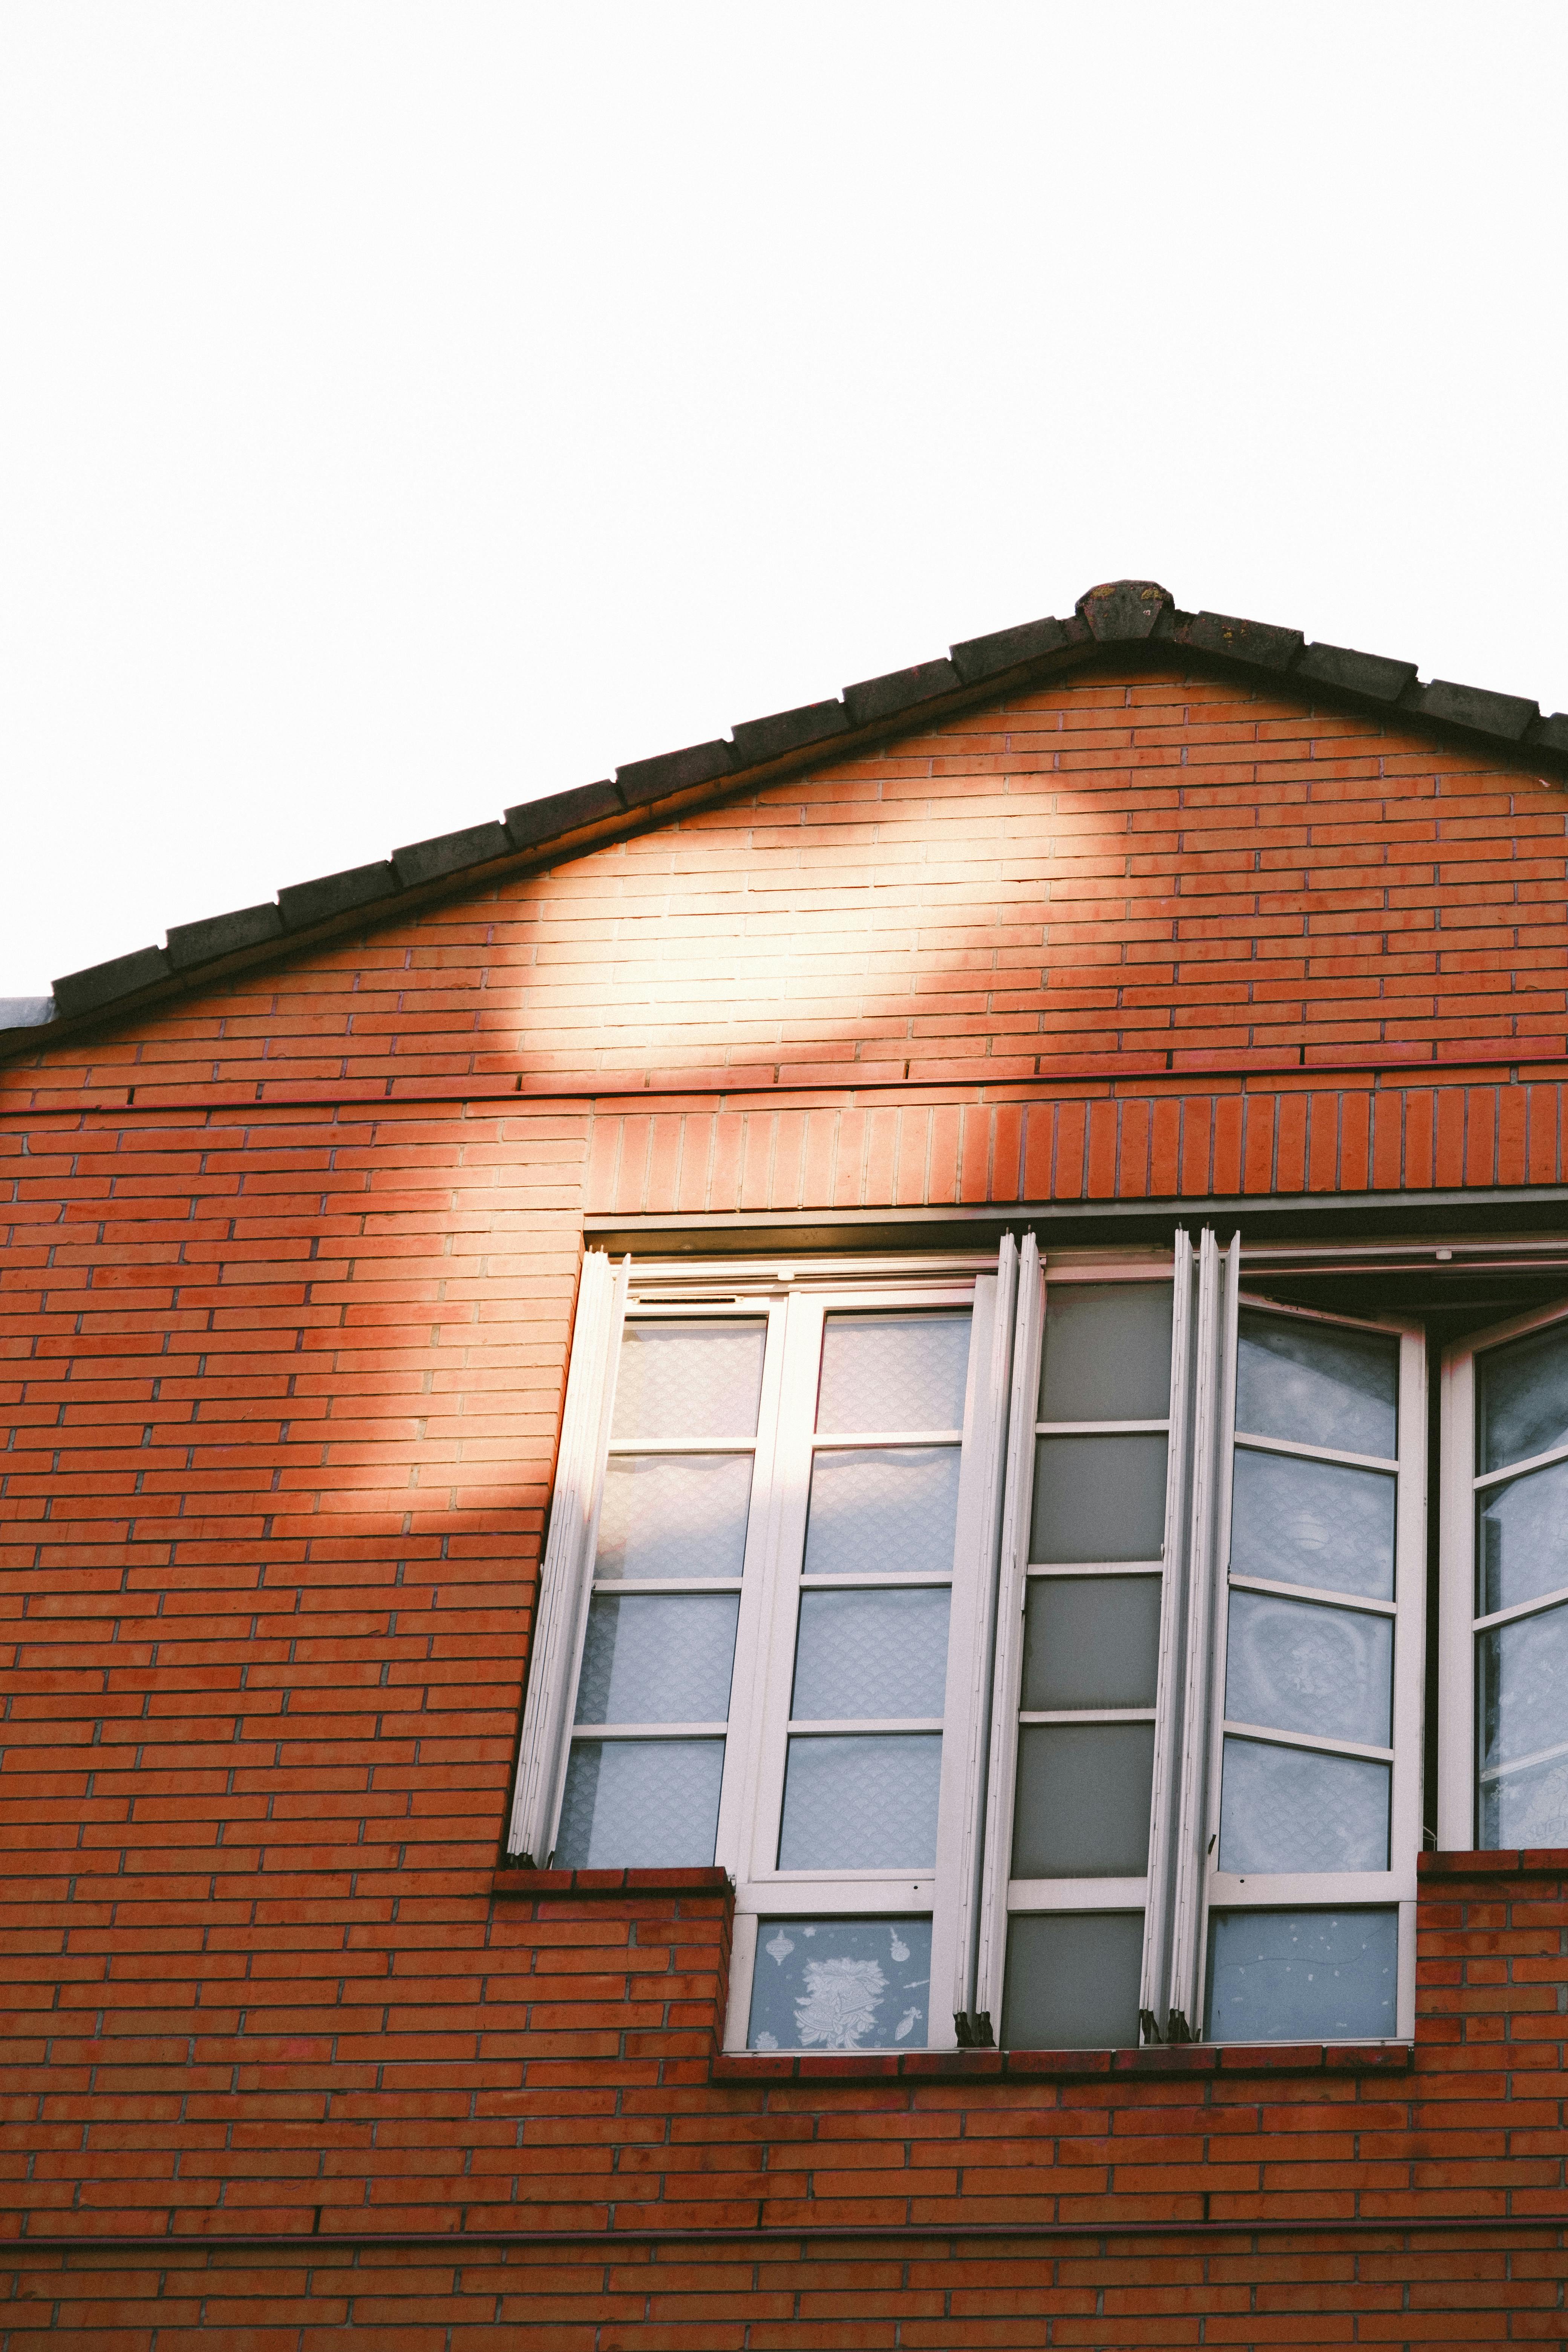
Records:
x=1176, y=2027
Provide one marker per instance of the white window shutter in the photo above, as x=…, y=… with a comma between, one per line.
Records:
x=564, y=1575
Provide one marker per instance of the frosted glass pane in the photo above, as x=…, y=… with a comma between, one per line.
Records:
x=1299, y=1522
x=1091, y=1641
x=1522, y=1397
x=1107, y=1352
x=1523, y=1687
x=1528, y=1807
x=1288, y=1809
x=1521, y=1538
x=640, y=1804
x=1099, y=1499
x=854, y=1801
x=1082, y=1808
x=664, y=1660
x=1294, y=1666
x=1317, y=1384
x=689, y=1379
x=893, y=1371
x=1072, y=1981
x=674, y=1514
x=867, y=1653
x=888, y=1511
x=1302, y=1975
x=841, y=1984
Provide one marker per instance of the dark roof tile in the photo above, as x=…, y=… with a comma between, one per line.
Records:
x=533, y=821
x=978, y=659
x=304, y=903
x=672, y=771
x=449, y=853
x=1507, y=715
x=1253, y=642
x=1550, y=734
x=221, y=934
x=102, y=984
x=757, y=740
x=902, y=690
x=1371, y=675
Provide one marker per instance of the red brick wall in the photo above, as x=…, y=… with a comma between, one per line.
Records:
x=283, y=1317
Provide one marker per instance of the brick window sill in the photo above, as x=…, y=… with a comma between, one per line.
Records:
x=1496, y=1862
x=607, y=1886
x=761, y=2066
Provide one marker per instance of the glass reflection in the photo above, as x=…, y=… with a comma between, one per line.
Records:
x=1522, y=1397
x=1291, y=1809
x=1317, y=1384
x=889, y=1510
x=689, y=1379
x=1323, y=1523
x=640, y=1804
x=841, y=1984
x=861, y=1802
x=893, y=1371
x=1295, y=1666
x=864, y=1654
x=1099, y=1499
x=1521, y=1538
x=674, y=1514
x=1107, y=1351
x=1302, y=1975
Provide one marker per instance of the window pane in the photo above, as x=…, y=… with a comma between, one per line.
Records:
x=1522, y=1397
x=1072, y=1981
x=1099, y=1499
x=1521, y=1538
x=1289, y=1809
x=1091, y=1641
x=841, y=1984
x=1524, y=1689
x=1528, y=1807
x=861, y=1802
x=1294, y=1666
x=659, y=1660
x=648, y=1804
x=870, y=1654
x=1302, y=1975
x=1107, y=1352
x=885, y=1512
x=893, y=1371
x=689, y=1379
x=1301, y=1522
x=1317, y=1385
x=674, y=1514
x=1084, y=1791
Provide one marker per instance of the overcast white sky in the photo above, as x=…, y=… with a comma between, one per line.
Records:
x=406, y=409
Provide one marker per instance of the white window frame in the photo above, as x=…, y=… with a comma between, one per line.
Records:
x=1334, y=1890
x=1460, y=1623
x=967, y=1893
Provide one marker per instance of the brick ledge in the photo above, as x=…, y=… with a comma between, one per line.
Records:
x=599, y=1885
x=1497, y=1861
x=758, y=2067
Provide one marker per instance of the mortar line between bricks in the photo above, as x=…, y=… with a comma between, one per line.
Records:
x=1099, y=2233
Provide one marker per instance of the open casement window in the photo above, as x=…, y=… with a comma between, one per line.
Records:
x=1204, y=1781
x=1038, y=1649
x=1503, y=1767
x=770, y=1612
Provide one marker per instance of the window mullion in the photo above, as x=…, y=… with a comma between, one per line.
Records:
x=1017, y=1490
x=959, y=1844
x=1212, y=1419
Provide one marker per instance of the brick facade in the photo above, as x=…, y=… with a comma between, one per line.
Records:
x=287, y=1293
